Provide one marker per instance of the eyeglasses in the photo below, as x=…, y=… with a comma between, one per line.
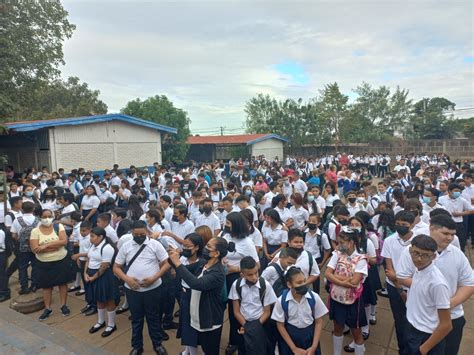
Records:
x=422, y=256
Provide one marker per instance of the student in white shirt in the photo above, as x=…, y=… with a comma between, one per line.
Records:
x=80, y=258
x=428, y=301
x=142, y=284
x=353, y=206
x=252, y=298
x=298, y=213
x=103, y=221
x=299, y=186
x=275, y=236
x=274, y=273
x=209, y=218
x=254, y=233
x=458, y=207
x=75, y=187
x=430, y=202
x=455, y=267
x=391, y=251
x=181, y=226
x=298, y=313
x=279, y=204
x=90, y=204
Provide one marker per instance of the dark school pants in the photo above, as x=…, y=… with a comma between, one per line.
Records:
x=399, y=311
x=415, y=338
x=24, y=260
x=144, y=305
x=453, y=339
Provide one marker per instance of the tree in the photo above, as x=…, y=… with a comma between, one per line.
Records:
x=263, y=115
x=464, y=127
x=61, y=99
x=429, y=120
x=31, y=37
x=161, y=110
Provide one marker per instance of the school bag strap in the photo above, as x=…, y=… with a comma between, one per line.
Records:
x=279, y=271
x=261, y=290
x=310, y=261
x=285, y=303
x=127, y=266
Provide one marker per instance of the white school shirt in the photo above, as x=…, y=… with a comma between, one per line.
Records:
x=28, y=218
x=75, y=188
x=169, y=214
x=212, y=221
x=392, y=248
x=254, y=212
x=330, y=200
x=300, y=187
x=321, y=202
x=428, y=208
x=2, y=241
x=147, y=264
x=270, y=274
x=67, y=210
x=284, y=213
x=455, y=205
x=300, y=314
x=300, y=216
x=123, y=239
x=303, y=263
x=332, y=229
x=354, y=209
x=76, y=233
x=50, y=205
x=243, y=247
x=454, y=266
x=257, y=238
x=84, y=245
x=311, y=242
x=182, y=229
x=103, y=196
x=274, y=236
x=8, y=219
x=111, y=233
x=361, y=266
x=419, y=226
x=429, y=292
x=90, y=202
x=97, y=255
x=250, y=304
x=468, y=193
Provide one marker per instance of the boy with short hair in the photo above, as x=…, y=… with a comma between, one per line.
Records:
x=428, y=301
x=275, y=271
x=252, y=298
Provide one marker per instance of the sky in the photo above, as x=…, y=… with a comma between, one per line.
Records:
x=211, y=57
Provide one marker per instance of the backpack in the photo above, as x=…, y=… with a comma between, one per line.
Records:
x=25, y=233
x=109, y=242
x=261, y=290
x=9, y=243
x=326, y=228
x=310, y=261
x=280, y=285
x=285, y=303
x=345, y=267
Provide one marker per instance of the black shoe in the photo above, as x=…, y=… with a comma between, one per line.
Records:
x=85, y=309
x=90, y=312
x=96, y=327
x=365, y=335
x=170, y=326
x=80, y=292
x=33, y=289
x=383, y=293
x=136, y=351
x=160, y=350
x=348, y=349
x=4, y=298
x=165, y=336
x=65, y=310
x=73, y=288
x=347, y=332
x=24, y=291
x=121, y=310
x=231, y=349
x=45, y=315
x=110, y=330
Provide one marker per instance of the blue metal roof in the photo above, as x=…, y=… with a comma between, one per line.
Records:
x=26, y=126
x=268, y=136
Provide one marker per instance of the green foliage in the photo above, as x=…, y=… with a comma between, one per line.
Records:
x=429, y=121
x=31, y=37
x=160, y=110
x=465, y=127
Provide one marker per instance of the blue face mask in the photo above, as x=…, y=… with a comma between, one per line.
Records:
x=456, y=194
x=426, y=200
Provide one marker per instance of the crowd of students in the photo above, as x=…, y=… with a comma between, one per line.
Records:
x=251, y=239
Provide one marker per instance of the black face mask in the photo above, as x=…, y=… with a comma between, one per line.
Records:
x=351, y=199
x=301, y=290
x=139, y=239
x=175, y=218
x=402, y=230
x=249, y=283
x=201, y=210
x=220, y=210
x=207, y=210
x=298, y=250
x=206, y=254
x=343, y=222
x=312, y=226
x=187, y=253
x=226, y=230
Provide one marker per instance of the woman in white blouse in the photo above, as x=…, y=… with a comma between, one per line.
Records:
x=89, y=204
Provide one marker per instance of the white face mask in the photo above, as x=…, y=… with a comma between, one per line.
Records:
x=46, y=221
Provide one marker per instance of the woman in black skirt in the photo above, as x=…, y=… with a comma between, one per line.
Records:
x=48, y=242
x=101, y=286
x=191, y=257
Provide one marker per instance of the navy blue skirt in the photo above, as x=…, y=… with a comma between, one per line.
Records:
x=103, y=289
x=351, y=314
x=301, y=337
x=188, y=335
x=371, y=285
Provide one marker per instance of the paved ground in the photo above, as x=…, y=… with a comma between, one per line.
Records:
x=75, y=330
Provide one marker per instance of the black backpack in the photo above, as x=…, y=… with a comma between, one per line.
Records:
x=280, y=284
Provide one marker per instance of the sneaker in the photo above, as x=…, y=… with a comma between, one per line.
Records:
x=383, y=293
x=65, y=310
x=80, y=292
x=373, y=320
x=46, y=313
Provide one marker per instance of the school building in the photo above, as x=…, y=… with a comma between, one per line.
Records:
x=92, y=142
x=210, y=148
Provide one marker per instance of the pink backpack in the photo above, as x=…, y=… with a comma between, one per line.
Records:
x=346, y=267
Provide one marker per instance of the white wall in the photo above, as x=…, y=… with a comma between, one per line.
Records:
x=98, y=146
x=271, y=148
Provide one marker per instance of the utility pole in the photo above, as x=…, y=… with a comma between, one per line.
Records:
x=222, y=131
